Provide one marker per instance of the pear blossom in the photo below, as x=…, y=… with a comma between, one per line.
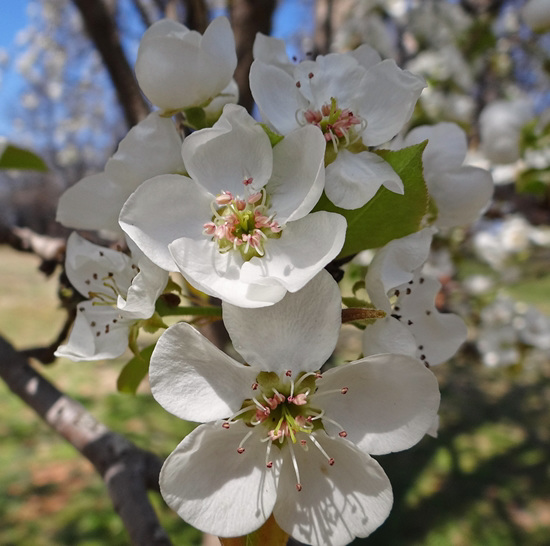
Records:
x=536, y=14
x=278, y=436
x=121, y=291
x=150, y=148
x=238, y=227
x=413, y=325
x=461, y=192
x=500, y=124
x=355, y=99
x=177, y=68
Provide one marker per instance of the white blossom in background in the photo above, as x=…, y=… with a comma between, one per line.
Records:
x=177, y=68
x=121, y=291
x=238, y=227
x=413, y=325
x=354, y=99
x=536, y=14
x=498, y=241
x=500, y=124
x=461, y=192
x=279, y=437
x=150, y=148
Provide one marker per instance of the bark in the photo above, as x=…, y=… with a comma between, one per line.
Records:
x=247, y=18
x=102, y=30
x=127, y=470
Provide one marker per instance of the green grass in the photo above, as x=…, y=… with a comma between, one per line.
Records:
x=485, y=481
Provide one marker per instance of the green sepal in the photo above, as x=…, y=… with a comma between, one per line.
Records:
x=274, y=137
x=195, y=117
x=135, y=371
x=19, y=158
x=153, y=323
x=349, y=301
x=387, y=215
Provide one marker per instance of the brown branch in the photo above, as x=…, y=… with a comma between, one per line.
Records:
x=197, y=15
x=103, y=32
x=127, y=470
x=248, y=17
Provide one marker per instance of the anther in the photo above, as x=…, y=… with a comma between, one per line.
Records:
x=310, y=75
x=225, y=425
x=254, y=386
x=240, y=450
x=298, y=85
x=342, y=434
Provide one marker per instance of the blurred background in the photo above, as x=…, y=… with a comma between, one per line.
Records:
x=68, y=95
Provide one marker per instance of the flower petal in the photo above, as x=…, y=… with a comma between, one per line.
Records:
x=298, y=333
x=388, y=335
x=98, y=333
x=234, y=149
x=163, y=209
x=390, y=403
x=194, y=380
x=298, y=174
x=438, y=335
x=389, y=95
x=150, y=148
x=394, y=264
x=353, y=179
x=216, y=489
x=220, y=275
x=303, y=249
x=337, y=503
x=276, y=95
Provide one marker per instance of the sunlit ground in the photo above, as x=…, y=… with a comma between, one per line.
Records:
x=485, y=481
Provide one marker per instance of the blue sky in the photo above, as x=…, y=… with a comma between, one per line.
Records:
x=13, y=18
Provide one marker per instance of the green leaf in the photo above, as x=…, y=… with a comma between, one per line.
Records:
x=387, y=215
x=19, y=158
x=135, y=370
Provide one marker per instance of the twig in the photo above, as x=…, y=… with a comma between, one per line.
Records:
x=127, y=470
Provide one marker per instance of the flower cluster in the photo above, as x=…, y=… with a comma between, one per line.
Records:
x=252, y=213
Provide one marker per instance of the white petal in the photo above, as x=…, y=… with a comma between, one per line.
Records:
x=391, y=402
x=337, y=503
x=176, y=68
x=90, y=339
x=394, y=264
x=146, y=287
x=276, y=95
x=446, y=148
x=163, y=209
x=389, y=96
x=87, y=265
x=214, y=488
x=388, y=335
x=234, y=149
x=330, y=76
x=353, y=179
x=271, y=51
x=438, y=335
x=303, y=249
x=460, y=194
x=220, y=275
x=298, y=175
x=86, y=204
x=194, y=380
x=298, y=333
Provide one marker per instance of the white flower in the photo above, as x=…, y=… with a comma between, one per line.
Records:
x=150, y=148
x=121, y=290
x=178, y=68
x=536, y=14
x=239, y=227
x=461, y=192
x=280, y=437
x=500, y=124
x=413, y=325
x=353, y=98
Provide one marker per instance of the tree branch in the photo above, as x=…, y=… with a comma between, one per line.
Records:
x=247, y=18
x=127, y=470
x=103, y=33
